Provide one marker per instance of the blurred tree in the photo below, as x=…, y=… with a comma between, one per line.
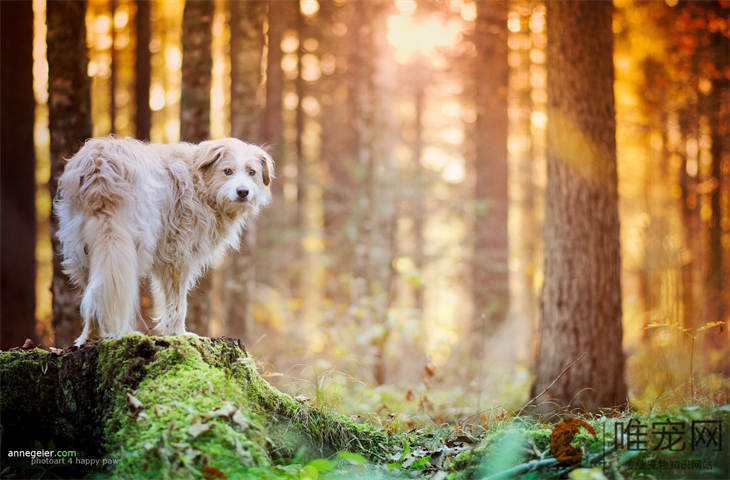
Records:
x=491, y=249
x=272, y=127
x=419, y=202
x=69, y=122
x=197, y=64
x=18, y=175
x=299, y=89
x=581, y=303
x=336, y=149
x=247, y=48
x=113, y=70
x=143, y=71
x=718, y=16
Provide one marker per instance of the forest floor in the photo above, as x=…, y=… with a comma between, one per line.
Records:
x=184, y=407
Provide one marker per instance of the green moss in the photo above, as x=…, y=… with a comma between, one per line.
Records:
x=180, y=380
x=148, y=404
x=177, y=392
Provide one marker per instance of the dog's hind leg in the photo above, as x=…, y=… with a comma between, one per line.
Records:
x=111, y=297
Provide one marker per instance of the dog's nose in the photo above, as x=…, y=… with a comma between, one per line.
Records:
x=242, y=193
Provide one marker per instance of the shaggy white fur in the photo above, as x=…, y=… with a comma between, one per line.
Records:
x=128, y=209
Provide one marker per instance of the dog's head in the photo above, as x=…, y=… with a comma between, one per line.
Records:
x=237, y=175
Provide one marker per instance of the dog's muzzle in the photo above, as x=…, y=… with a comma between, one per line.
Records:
x=242, y=194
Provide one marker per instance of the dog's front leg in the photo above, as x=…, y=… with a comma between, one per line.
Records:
x=175, y=289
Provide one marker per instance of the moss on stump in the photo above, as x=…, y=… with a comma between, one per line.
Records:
x=169, y=407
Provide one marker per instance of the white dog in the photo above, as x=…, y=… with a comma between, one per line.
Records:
x=128, y=209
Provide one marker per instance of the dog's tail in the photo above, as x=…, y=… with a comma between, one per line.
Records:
x=98, y=179
x=111, y=298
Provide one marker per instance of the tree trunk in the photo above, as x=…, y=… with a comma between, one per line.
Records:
x=419, y=213
x=197, y=64
x=138, y=401
x=113, y=72
x=143, y=72
x=69, y=122
x=299, y=89
x=581, y=303
x=272, y=116
x=717, y=294
x=18, y=175
x=490, y=288
x=247, y=47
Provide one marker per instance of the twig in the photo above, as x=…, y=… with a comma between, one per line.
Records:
x=580, y=357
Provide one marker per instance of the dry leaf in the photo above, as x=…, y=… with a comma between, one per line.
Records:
x=133, y=402
x=430, y=369
x=225, y=411
x=212, y=473
x=28, y=344
x=240, y=420
x=199, y=429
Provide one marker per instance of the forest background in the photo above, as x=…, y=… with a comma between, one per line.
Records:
x=399, y=271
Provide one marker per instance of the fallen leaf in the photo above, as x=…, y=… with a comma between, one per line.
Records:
x=133, y=402
x=57, y=351
x=240, y=420
x=410, y=395
x=212, y=473
x=28, y=344
x=430, y=369
x=199, y=429
x=226, y=411
x=302, y=398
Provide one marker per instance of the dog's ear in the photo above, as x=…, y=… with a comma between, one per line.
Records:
x=268, y=168
x=208, y=156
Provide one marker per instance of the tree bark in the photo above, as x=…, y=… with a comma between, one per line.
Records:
x=143, y=71
x=247, y=47
x=69, y=121
x=18, y=175
x=581, y=301
x=197, y=64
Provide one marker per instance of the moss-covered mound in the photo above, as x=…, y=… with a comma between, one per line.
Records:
x=170, y=407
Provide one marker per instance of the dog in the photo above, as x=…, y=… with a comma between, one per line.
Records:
x=128, y=210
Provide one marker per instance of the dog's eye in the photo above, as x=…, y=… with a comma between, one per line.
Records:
x=251, y=172
x=228, y=171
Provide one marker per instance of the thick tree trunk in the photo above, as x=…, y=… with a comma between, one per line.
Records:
x=491, y=249
x=69, y=121
x=197, y=64
x=17, y=175
x=169, y=407
x=143, y=71
x=247, y=47
x=581, y=303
